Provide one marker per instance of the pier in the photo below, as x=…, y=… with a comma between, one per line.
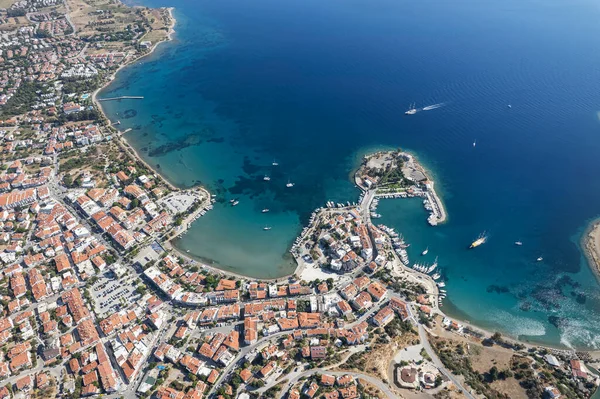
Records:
x=122, y=98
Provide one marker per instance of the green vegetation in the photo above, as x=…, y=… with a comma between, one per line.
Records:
x=23, y=100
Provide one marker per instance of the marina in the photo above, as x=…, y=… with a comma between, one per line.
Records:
x=235, y=108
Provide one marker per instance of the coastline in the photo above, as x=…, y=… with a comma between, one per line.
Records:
x=436, y=197
x=590, y=246
x=299, y=268
x=122, y=140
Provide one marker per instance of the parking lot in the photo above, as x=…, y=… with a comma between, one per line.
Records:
x=178, y=202
x=149, y=253
x=110, y=296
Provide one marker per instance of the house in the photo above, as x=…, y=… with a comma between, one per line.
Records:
x=318, y=352
x=376, y=290
x=266, y=371
x=362, y=301
x=311, y=390
x=383, y=317
x=578, y=369
x=552, y=392
x=327, y=380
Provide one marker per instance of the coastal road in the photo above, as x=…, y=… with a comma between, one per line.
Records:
x=438, y=363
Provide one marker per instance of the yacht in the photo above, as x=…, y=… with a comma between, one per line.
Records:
x=267, y=228
x=289, y=184
x=425, y=252
x=275, y=163
x=540, y=259
x=480, y=240
x=519, y=243
x=412, y=110
x=265, y=210
x=235, y=202
x=266, y=178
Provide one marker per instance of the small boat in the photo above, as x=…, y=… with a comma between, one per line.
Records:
x=475, y=143
x=289, y=184
x=540, y=259
x=266, y=178
x=234, y=203
x=425, y=252
x=412, y=110
x=265, y=210
x=275, y=163
x=519, y=243
x=267, y=228
x=509, y=106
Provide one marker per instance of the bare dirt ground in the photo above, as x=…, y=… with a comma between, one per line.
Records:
x=371, y=390
x=377, y=361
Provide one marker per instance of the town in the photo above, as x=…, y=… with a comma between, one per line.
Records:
x=96, y=302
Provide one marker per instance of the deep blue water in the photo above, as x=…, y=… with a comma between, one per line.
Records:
x=316, y=84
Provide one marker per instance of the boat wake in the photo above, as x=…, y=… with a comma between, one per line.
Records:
x=434, y=106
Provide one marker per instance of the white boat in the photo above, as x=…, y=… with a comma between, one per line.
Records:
x=519, y=243
x=289, y=184
x=267, y=228
x=540, y=259
x=265, y=210
x=234, y=203
x=441, y=284
x=412, y=110
x=266, y=178
x=425, y=252
x=509, y=106
x=275, y=163
x=475, y=143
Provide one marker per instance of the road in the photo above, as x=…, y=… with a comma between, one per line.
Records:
x=438, y=363
x=371, y=380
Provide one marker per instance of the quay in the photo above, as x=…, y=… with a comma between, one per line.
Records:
x=122, y=98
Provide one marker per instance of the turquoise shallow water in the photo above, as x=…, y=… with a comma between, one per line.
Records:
x=314, y=85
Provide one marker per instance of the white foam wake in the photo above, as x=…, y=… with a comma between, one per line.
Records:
x=434, y=106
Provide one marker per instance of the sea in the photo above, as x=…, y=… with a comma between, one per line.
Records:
x=313, y=86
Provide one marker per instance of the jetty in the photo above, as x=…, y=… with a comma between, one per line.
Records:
x=122, y=98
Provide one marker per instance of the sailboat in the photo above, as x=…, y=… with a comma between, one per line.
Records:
x=425, y=252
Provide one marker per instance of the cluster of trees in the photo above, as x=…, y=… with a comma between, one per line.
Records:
x=23, y=100
x=74, y=85
x=16, y=12
x=85, y=115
